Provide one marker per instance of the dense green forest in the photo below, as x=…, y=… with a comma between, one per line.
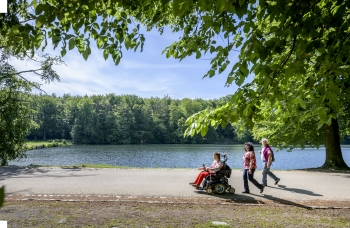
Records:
x=124, y=119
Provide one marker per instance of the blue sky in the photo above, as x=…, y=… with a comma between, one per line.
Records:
x=145, y=74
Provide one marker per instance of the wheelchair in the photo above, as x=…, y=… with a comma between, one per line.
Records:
x=217, y=182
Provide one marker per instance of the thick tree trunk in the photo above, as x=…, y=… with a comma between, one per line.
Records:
x=334, y=157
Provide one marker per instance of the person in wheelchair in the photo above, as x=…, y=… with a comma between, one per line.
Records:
x=217, y=181
x=206, y=171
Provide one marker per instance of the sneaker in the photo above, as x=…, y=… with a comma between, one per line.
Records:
x=246, y=192
x=262, y=189
x=200, y=188
x=264, y=184
x=278, y=180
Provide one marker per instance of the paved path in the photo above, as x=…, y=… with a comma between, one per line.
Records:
x=295, y=186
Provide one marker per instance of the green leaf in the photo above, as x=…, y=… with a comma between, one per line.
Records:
x=204, y=130
x=100, y=42
x=241, y=9
x=244, y=71
x=56, y=39
x=224, y=123
x=127, y=42
x=71, y=44
x=105, y=54
x=198, y=54
x=222, y=5
x=246, y=28
x=86, y=53
x=63, y=52
x=51, y=18
x=181, y=6
x=247, y=110
x=38, y=9
x=263, y=53
x=40, y=21
x=322, y=114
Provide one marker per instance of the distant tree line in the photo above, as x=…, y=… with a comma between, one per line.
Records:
x=125, y=119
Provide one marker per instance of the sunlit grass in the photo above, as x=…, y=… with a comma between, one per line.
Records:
x=35, y=144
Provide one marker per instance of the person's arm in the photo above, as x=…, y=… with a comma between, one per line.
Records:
x=269, y=159
x=250, y=162
x=212, y=165
x=218, y=166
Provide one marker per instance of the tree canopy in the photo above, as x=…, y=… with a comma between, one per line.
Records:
x=296, y=51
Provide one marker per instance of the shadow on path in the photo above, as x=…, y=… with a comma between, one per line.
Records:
x=253, y=198
x=26, y=172
x=286, y=202
x=233, y=198
x=13, y=171
x=295, y=190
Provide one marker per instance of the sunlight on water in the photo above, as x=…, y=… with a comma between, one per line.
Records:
x=169, y=156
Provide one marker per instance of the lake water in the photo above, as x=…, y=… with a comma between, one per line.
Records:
x=169, y=156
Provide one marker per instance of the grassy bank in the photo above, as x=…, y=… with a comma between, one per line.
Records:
x=37, y=144
x=98, y=166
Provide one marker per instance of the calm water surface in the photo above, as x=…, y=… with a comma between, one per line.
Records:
x=169, y=156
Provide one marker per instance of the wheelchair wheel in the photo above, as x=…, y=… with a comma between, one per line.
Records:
x=209, y=190
x=220, y=188
x=232, y=190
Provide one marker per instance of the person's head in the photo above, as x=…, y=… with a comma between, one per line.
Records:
x=264, y=142
x=217, y=156
x=248, y=146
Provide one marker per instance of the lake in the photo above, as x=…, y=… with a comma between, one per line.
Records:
x=169, y=156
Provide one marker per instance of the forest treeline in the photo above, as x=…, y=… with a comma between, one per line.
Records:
x=125, y=119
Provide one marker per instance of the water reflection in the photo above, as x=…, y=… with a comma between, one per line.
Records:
x=169, y=156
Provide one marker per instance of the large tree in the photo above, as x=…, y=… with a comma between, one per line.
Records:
x=294, y=54
x=16, y=114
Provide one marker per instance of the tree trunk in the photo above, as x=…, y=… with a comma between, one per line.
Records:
x=334, y=157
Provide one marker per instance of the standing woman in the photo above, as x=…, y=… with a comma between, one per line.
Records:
x=249, y=165
x=266, y=157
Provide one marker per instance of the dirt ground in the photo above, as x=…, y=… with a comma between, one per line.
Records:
x=104, y=211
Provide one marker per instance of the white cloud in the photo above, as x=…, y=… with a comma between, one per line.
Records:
x=146, y=74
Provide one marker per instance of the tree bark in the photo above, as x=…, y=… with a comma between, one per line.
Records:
x=334, y=157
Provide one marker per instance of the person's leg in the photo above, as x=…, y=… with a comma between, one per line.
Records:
x=255, y=182
x=245, y=181
x=206, y=179
x=264, y=174
x=273, y=176
x=200, y=177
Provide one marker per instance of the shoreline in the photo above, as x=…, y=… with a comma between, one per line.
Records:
x=105, y=166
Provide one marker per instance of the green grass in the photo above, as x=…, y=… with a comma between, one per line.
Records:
x=33, y=144
x=101, y=166
x=97, y=166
